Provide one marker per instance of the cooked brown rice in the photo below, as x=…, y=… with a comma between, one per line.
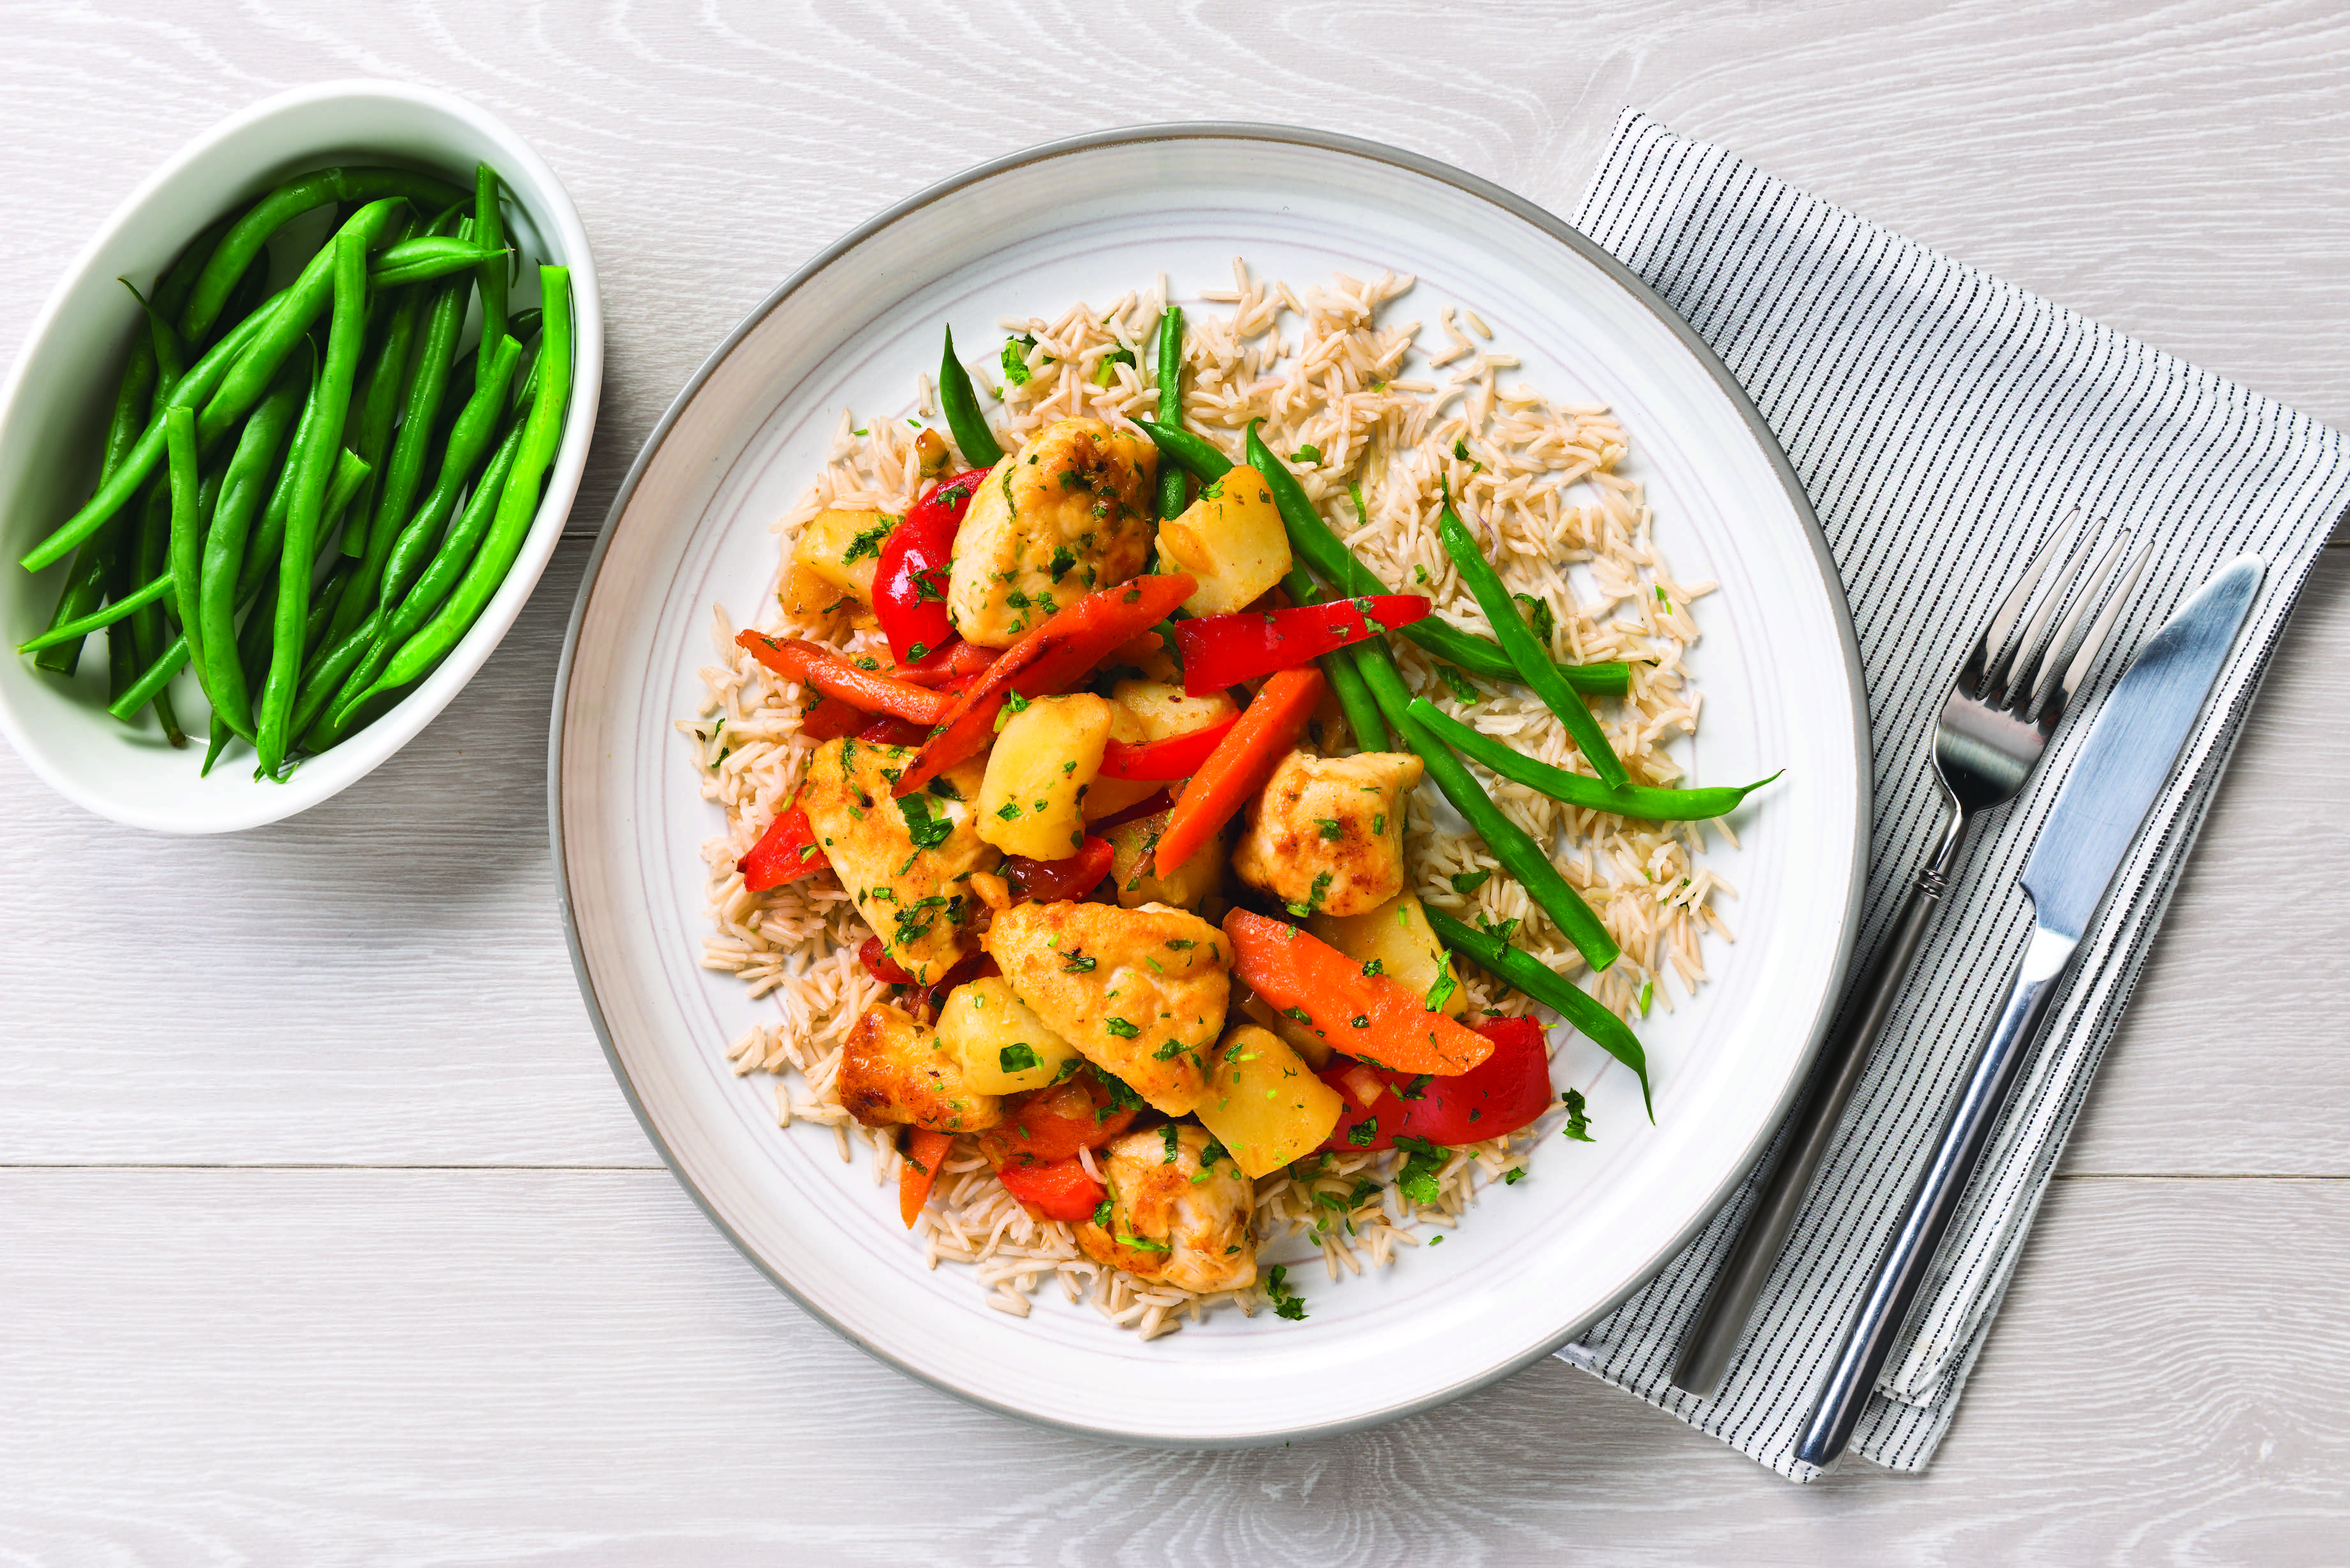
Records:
x=1542, y=484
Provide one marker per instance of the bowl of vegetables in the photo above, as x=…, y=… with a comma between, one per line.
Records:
x=285, y=453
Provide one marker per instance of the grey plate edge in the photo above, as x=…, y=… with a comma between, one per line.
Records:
x=1377, y=152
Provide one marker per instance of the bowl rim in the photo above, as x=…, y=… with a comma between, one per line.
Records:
x=557, y=216
x=1412, y=162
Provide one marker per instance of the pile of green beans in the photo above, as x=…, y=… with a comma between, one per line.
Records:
x=256, y=519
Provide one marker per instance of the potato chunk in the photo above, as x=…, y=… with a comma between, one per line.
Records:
x=1033, y=802
x=1174, y=1217
x=894, y=1074
x=916, y=896
x=1264, y=1103
x=1164, y=710
x=1325, y=835
x=1133, y=844
x=842, y=548
x=1396, y=937
x=1231, y=540
x=1140, y=991
x=1004, y=1047
x=1068, y=512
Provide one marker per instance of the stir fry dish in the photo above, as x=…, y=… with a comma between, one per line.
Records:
x=1080, y=805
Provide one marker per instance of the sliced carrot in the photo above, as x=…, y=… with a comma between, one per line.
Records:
x=1240, y=764
x=926, y=1152
x=829, y=673
x=1052, y=658
x=1373, y=1017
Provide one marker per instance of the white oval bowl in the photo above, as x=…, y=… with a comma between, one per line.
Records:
x=1086, y=219
x=60, y=393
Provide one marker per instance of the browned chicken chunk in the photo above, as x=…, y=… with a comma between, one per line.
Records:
x=916, y=896
x=1325, y=835
x=893, y=1073
x=1141, y=992
x=1171, y=1217
x=1068, y=512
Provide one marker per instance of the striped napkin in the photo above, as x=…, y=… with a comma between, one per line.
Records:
x=1942, y=423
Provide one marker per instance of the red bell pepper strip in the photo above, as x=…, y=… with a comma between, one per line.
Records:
x=1220, y=651
x=1371, y=1017
x=874, y=954
x=831, y=719
x=787, y=850
x=1239, y=765
x=910, y=581
x=1502, y=1094
x=1061, y=1191
x=925, y=1154
x=1176, y=757
x=889, y=730
x=1052, y=1124
x=828, y=672
x=1052, y=658
x=1055, y=881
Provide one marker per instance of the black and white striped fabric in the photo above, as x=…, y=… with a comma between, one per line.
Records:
x=1943, y=421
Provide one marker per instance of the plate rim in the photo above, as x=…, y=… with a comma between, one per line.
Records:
x=1375, y=152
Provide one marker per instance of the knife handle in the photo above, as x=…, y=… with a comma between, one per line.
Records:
x=1720, y=1320
x=1998, y=1064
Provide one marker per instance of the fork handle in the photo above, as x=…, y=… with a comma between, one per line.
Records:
x=1721, y=1322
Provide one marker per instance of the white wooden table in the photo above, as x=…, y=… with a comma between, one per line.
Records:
x=324, y=1236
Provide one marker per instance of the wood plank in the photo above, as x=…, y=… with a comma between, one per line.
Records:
x=312, y=1366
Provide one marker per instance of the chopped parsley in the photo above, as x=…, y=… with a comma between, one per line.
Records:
x=867, y=543
x=1331, y=827
x=1168, y=1053
x=944, y=788
x=1513, y=1176
x=1417, y=1180
x=1101, y=1214
x=1015, y=358
x=1306, y=454
x=1648, y=994
x=1018, y=1058
x=1063, y=559
x=1463, y=690
x=1286, y=1302
x=1182, y=944
x=1374, y=966
x=927, y=832
x=1467, y=882
x=1121, y=1028
x=1538, y=616
x=1578, y=1121
x=1008, y=810
x=1441, y=992
x=1170, y=1137
x=1106, y=367
x=1079, y=963
x=915, y=922
x=1498, y=930
x=1362, y=1134
x=1312, y=898
x=1418, y=1088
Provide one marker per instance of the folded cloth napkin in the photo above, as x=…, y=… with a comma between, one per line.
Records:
x=1943, y=421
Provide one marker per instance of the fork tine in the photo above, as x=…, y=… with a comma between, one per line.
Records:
x=2095, y=641
x=2093, y=586
x=2030, y=650
x=2011, y=610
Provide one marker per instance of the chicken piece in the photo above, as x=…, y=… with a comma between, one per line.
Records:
x=1141, y=992
x=1191, y=1221
x=893, y=1073
x=1067, y=514
x=916, y=895
x=1325, y=835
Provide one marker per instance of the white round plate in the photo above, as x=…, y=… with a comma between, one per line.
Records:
x=1532, y=1264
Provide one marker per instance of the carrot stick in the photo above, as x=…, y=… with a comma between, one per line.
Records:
x=1053, y=657
x=811, y=665
x=1375, y=1018
x=926, y=1152
x=1240, y=764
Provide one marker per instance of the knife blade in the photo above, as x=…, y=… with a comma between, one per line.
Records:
x=2100, y=808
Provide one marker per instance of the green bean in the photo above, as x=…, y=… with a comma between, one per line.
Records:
x=150, y=553
x=251, y=233
x=427, y=257
x=961, y=404
x=1645, y=802
x=158, y=670
x=490, y=232
x=244, y=493
x=1196, y=455
x=262, y=550
x=171, y=352
x=1511, y=844
x=428, y=386
x=1346, y=680
x=202, y=380
x=1323, y=550
x=93, y=567
x=99, y=619
x=186, y=545
x=377, y=403
x=1533, y=660
x=315, y=463
x=542, y=433
x=328, y=672
x=1172, y=496
x=1516, y=967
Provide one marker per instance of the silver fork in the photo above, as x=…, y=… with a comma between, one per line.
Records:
x=2008, y=699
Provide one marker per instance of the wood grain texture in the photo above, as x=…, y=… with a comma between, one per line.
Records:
x=302, y=1366
x=553, y=1357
